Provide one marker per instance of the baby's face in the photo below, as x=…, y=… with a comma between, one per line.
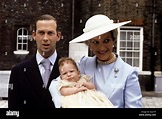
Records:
x=69, y=72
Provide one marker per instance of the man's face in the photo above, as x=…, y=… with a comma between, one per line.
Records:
x=46, y=37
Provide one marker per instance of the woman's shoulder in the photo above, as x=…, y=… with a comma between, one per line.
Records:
x=123, y=63
x=86, y=58
x=125, y=67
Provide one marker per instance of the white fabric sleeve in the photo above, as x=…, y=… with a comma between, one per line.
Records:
x=56, y=96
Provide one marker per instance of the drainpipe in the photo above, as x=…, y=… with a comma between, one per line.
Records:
x=72, y=35
x=153, y=53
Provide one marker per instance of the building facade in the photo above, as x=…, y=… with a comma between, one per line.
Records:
x=16, y=24
x=139, y=42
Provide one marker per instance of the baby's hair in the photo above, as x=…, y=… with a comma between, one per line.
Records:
x=67, y=60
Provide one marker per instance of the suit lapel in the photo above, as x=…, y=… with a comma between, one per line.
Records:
x=113, y=81
x=33, y=72
x=90, y=68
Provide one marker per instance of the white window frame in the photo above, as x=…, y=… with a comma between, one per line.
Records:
x=133, y=30
x=21, y=37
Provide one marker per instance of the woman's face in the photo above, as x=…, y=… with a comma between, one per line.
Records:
x=102, y=46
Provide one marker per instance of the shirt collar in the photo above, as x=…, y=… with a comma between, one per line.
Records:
x=52, y=58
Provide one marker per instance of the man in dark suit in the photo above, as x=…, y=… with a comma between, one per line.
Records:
x=28, y=90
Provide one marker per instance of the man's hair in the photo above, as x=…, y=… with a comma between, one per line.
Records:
x=45, y=17
x=67, y=60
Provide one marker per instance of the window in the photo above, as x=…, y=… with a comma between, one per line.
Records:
x=130, y=45
x=22, y=41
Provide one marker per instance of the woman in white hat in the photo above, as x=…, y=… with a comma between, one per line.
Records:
x=111, y=75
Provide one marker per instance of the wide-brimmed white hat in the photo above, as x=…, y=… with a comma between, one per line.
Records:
x=97, y=25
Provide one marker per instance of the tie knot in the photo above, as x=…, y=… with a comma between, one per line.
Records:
x=46, y=63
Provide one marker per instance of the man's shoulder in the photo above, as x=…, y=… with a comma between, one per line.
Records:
x=25, y=63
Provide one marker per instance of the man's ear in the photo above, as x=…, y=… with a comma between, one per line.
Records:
x=59, y=35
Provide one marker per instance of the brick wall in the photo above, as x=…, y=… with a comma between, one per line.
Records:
x=138, y=11
x=22, y=13
x=13, y=13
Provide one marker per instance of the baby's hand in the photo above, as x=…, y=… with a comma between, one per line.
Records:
x=82, y=88
x=79, y=84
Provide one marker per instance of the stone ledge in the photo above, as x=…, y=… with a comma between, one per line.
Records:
x=151, y=94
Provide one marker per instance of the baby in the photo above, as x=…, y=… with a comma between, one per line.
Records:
x=76, y=90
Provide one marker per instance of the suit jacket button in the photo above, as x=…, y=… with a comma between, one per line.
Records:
x=24, y=101
x=43, y=86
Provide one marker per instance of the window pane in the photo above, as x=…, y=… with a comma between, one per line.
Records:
x=129, y=61
x=129, y=45
x=137, y=35
x=25, y=40
x=20, y=32
x=122, y=54
x=19, y=39
x=136, y=62
x=24, y=47
x=19, y=47
x=123, y=35
x=122, y=45
x=129, y=54
x=130, y=36
x=25, y=32
x=136, y=45
x=136, y=54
